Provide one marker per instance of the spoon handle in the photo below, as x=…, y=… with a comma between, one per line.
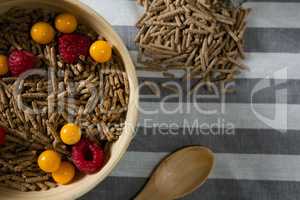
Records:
x=151, y=193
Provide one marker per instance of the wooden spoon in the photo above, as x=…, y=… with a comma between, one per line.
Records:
x=179, y=174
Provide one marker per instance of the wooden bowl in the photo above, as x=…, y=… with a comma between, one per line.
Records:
x=85, y=184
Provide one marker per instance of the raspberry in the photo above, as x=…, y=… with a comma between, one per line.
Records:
x=71, y=46
x=87, y=156
x=20, y=61
x=2, y=135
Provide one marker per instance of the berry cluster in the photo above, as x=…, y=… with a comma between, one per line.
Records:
x=71, y=46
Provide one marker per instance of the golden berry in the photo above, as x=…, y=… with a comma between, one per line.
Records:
x=64, y=174
x=3, y=65
x=42, y=33
x=101, y=51
x=49, y=161
x=66, y=23
x=70, y=134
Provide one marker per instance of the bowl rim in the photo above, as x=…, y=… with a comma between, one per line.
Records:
x=132, y=113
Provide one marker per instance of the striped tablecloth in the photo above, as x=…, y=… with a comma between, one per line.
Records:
x=258, y=151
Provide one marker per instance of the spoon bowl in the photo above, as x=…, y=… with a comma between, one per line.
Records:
x=179, y=174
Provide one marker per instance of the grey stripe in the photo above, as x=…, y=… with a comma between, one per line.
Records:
x=123, y=188
x=272, y=40
x=257, y=39
x=252, y=141
x=261, y=66
x=244, y=88
x=282, y=1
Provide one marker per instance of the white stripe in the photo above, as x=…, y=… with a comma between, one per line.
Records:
x=225, y=116
x=261, y=65
x=117, y=12
x=274, y=15
x=126, y=13
x=228, y=166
